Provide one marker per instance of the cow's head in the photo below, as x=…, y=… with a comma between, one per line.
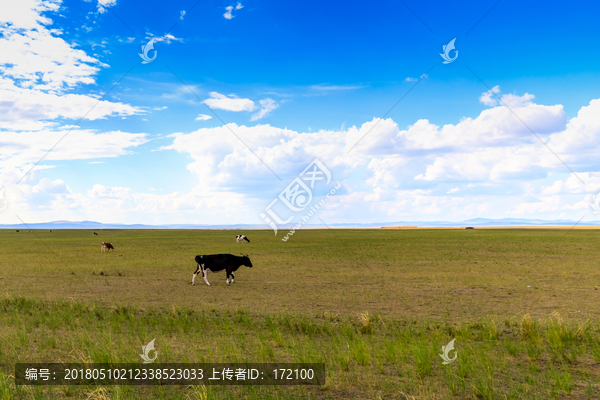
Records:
x=247, y=261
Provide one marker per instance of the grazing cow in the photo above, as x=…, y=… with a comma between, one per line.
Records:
x=106, y=246
x=220, y=262
x=242, y=238
x=95, y=234
x=18, y=230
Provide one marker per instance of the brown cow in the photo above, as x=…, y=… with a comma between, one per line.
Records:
x=106, y=246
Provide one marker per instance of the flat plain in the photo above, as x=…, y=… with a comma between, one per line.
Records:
x=374, y=305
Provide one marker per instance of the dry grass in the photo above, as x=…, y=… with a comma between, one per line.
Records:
x=429, y=274
x=374, y=305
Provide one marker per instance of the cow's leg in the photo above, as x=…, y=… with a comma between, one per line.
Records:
x=227, y=280
x=195, y=273
x=232, y=277
x=205, y=273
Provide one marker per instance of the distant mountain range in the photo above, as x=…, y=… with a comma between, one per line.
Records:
x=475, y=222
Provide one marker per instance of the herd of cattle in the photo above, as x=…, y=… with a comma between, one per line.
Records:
x=210, y=262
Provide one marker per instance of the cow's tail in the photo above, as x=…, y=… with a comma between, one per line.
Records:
x=198, y=259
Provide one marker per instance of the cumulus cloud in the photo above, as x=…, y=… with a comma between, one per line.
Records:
x=104, y=4
x=38, y=67
x=29, y=109
x=488, y=97
x=229, y=103
x=26, y=147
x=37, y=70
x=27, y=14
x=423, y=168
x=547, y=203
x=404, y=173
x=34, y=56
x=167, y=38
x=229, y=10
x=413, y=171
x=267, y=105
x=101, y=191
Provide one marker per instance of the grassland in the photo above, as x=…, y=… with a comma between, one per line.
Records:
x=374, y=305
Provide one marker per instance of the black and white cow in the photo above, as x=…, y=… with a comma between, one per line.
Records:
x=219, y=262
x=95, y=234
x=242, y=238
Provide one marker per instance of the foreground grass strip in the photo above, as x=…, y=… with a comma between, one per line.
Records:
x=367, y=355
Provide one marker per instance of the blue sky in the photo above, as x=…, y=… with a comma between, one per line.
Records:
x=294, y=83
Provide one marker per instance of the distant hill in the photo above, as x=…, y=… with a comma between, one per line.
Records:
x=475, y=222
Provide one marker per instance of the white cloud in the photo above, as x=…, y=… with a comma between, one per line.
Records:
x=38, y=66
x=267, y=105
x=28, y=109
x=37, y=58
x=167, y=37
x=334, y=88
x=409, y=79
x=27, y=14
x=231, y=103
x=100, y=191
x=203, y=117
x=104, y=4
x=554, y=189
x=230, y=9
x=410, y=171
x=25, y=147
x=227, y=14
x=549, y=203
x=580, y=205
x=488, y=97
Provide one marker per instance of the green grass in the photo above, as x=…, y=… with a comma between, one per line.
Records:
x=374, y=305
